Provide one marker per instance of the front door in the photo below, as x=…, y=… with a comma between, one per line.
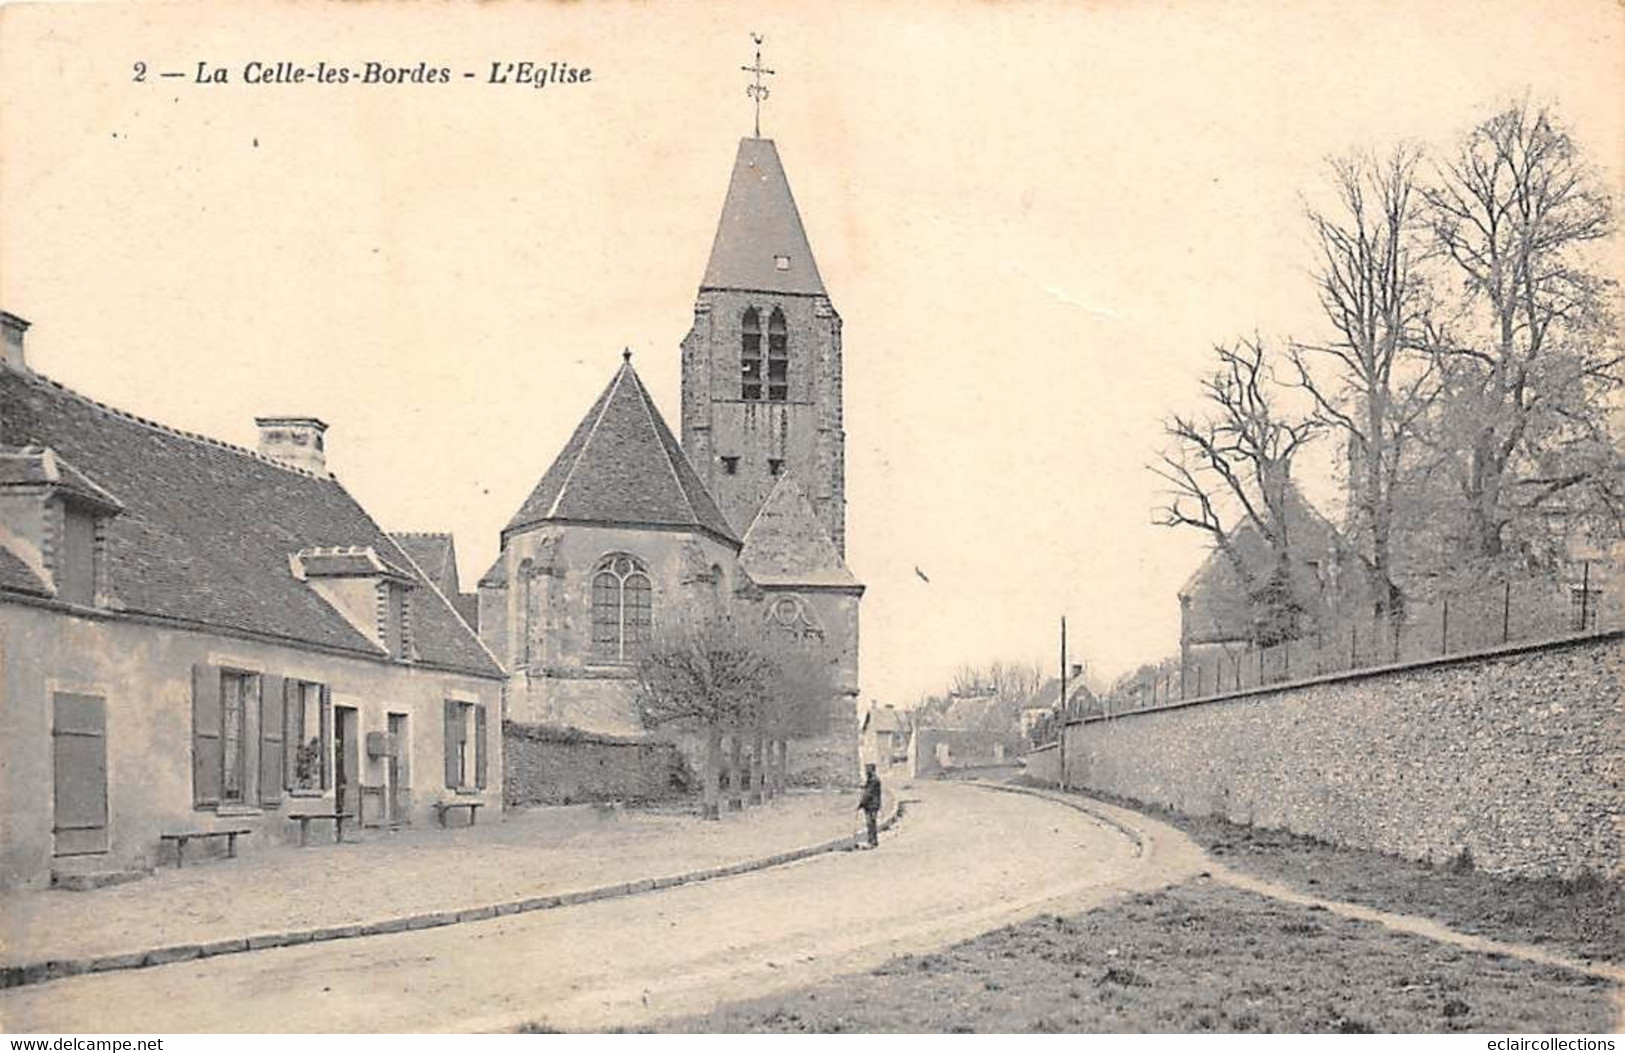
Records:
x=397, y=773
x=347, y=760
x=79, y=774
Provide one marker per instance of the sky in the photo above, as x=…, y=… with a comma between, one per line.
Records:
x=1035, y=220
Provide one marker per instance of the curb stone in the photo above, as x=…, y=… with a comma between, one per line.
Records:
x=56, y=969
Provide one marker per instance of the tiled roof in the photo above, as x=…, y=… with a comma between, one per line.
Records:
x=467, y=605
x=15, y=575
x=208, y=529
x=623, y=466
x=495, y=576
x=759, y=227
x=786, y=545
x=350, y=562
x=435, y=555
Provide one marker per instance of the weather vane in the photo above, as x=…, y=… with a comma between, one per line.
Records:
x=758, y=90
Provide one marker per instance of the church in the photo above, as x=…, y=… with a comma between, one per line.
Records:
x=629, y=530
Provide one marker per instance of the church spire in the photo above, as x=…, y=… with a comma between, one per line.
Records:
x=760, y=243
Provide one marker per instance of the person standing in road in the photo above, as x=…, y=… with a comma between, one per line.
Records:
x=869, y=803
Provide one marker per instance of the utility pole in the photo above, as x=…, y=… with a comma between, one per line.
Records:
x=1061, y=739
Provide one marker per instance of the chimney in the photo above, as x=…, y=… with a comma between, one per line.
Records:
x=13, y=329
x=295, y=441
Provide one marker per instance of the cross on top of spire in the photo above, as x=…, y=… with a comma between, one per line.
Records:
x=757, y=90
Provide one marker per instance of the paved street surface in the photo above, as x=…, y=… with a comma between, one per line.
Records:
x=542, y=851
x=964, y=860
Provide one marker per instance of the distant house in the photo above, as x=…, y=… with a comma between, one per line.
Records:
x=883, y=736
x=198, y=637
x=1215, y=609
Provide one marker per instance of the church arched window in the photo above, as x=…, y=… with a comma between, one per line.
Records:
x=750, y=356
x=622, y=608
x=778, y=358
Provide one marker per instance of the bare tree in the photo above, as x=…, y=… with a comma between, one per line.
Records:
x=1532, y=354
x=1367, y=381
x=714, y=677
x=1233, y=467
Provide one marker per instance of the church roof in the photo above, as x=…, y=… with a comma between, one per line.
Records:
x=623, y=466
x=760, y=243
x=786, y=545
x=207, y=529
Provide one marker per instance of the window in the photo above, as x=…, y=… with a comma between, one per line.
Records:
x=235, y=692
x=778, y=358
x=750, y=356
x=730, y=465
x=465, y=745
x=622, y=619
x=395, y=631
x=308, y=737
x=781, y=263
x=76, y=569
x=775, y=466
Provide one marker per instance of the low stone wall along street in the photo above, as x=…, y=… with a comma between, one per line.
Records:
x=1514, y=758
x=547, y=765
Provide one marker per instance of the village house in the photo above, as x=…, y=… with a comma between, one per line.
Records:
x=198, y=638
x=884, y=734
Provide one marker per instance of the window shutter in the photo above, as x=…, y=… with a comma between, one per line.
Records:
x=293, y=730
x=479, y=747
x=205, y=735
x=454, y=727
x=273, y=748
x=327, y=738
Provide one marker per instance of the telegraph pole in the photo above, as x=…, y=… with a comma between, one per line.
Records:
x=1061, y=739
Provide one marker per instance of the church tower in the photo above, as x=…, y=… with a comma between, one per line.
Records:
x=762, y=364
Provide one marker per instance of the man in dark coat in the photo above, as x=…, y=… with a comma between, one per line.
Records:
x=869, y=803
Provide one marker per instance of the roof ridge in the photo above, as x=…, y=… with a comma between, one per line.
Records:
x=168, y=429
x=604, y=403
x=420, y=533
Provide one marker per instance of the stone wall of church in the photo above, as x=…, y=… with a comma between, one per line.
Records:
x=1514, y=757
x=804, y=431
x=555, y=678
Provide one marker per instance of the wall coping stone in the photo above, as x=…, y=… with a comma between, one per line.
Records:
x=1463, y=658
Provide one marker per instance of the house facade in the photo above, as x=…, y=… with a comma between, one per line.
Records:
x=196, y=637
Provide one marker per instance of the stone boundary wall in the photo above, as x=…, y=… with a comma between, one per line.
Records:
x=546, y=765
x=1515, y=757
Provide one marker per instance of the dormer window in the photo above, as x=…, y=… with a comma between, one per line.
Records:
x=775, y=466
x=730, y=465
x=55, y=516
x=76, y=560
x=781, y=263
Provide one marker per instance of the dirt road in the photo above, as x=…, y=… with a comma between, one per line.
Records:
x=965, y=860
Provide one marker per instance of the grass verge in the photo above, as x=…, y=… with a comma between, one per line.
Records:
x=1583, y=918
x=1197, y=957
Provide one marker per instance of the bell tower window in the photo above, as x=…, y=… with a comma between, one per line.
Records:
x=750, y=356
x=778, y=358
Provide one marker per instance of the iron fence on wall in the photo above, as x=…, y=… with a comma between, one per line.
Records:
x=1481, y=619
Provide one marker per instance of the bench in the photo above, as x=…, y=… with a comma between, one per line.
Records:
x=442, y=807
x=304, y=825
x=181, y=839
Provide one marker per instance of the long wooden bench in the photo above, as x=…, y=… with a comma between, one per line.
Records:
x=442, y=807
x=305, y=818
x=180, y=840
